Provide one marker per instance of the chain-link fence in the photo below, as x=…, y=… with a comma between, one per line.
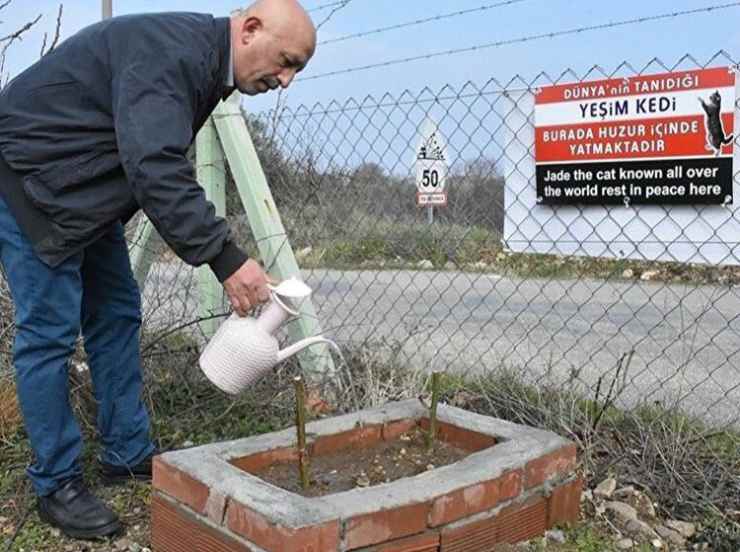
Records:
x=497, y=281
x=570, y=310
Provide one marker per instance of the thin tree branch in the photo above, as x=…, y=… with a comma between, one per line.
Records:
x=57, y=32
x=43, y=45
x=8, y=40
x=17, y=34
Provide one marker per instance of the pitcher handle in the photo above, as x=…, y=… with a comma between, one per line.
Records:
x=276, y=298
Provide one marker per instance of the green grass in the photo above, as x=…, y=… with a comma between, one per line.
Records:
x=178, y=417
x=374, y=242
x=586, y=538
x=33, y=536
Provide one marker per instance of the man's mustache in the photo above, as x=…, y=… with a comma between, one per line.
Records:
x=272, y=82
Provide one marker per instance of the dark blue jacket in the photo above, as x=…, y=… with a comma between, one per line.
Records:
x=101, y=126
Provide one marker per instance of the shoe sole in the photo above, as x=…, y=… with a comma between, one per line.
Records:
x=105, y=531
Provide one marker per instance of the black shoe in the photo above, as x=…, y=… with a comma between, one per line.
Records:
x=77, y=512
x=142, y=471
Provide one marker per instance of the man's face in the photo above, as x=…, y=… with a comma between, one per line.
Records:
x=268, y=58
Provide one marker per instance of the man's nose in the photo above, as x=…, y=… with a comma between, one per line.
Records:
x=286, y=77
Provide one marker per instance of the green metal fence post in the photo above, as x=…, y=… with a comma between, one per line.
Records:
x=211, y=173
x=140, y=250
x=267, y=227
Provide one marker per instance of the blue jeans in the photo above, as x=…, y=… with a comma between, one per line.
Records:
x=95, y=292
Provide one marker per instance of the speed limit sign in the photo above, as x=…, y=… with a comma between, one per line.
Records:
x=431, y=167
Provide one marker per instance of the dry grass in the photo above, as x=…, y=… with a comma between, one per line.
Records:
x=186, y=409
x=689, y=470
x=10, y=415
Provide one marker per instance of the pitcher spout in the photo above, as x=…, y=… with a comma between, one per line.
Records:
x=299, y=346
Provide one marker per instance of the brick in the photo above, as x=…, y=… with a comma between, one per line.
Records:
x=384, y=525
x=464, y=502
x=479, y=536
x=270, y=536
x=394, y=430
x=179, y=485
x=558, y=463
x=178, y=530
x=521, y=522
x=510, y=485
x=215, y=508
x=362, y=437
x=257, y=462
x=428, y=542
x=475, y=499
x=465, y=439
x=514, y=524
x=564, y=506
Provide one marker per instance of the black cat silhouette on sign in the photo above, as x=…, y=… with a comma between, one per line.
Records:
x=716, y=137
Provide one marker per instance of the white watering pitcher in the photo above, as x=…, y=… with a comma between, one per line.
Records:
x=244, y=348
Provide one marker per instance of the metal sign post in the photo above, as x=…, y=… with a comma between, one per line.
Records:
x=107, y=9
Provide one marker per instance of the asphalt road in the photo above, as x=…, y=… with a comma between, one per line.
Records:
x=686, y=339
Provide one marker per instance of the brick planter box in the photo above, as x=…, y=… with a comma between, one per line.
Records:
x=516, y=483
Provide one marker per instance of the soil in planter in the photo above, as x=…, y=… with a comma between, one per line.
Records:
x=383, y=462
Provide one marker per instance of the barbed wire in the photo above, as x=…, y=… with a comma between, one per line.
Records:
x=341, y=6
x=326, y=6
x=529, y=38
x=422, y=21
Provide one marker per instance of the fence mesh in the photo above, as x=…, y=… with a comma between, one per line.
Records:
x=561, y=298
x=559, y=301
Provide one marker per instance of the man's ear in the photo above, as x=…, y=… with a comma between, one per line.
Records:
x=249, y=28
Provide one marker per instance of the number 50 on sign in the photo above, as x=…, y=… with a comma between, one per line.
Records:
x=431, y=180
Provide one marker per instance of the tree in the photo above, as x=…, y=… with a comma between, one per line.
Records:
x=476, y=196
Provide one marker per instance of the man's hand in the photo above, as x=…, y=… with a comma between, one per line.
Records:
x=247, y=287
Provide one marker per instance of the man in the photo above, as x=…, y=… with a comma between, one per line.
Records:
x=94, y=131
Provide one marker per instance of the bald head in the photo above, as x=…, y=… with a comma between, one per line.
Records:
x=271, y=41
x=284, y=12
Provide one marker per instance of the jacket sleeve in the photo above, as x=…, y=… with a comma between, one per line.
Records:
x=154, y=102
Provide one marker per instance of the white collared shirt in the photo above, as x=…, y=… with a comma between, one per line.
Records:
x=230, y=73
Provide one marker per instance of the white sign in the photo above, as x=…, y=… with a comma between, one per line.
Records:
x=432, y=166
x=672, y=233
x=651, y=139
